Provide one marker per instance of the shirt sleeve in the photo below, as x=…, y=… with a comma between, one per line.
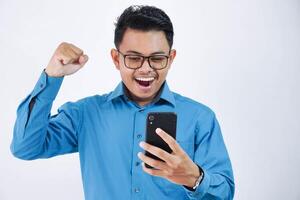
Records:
x=212, y=156
x=36, y=133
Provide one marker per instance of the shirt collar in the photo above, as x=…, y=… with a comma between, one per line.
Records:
x=165, y=93
x=117, y=92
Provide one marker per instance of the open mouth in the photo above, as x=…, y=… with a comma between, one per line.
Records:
x=144, y=82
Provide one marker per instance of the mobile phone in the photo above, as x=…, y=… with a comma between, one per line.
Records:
x=167, y=121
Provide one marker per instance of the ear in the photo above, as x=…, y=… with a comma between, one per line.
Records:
x=172, y=56
x=115, y=58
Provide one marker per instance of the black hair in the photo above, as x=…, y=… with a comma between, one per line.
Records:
x=144, y=18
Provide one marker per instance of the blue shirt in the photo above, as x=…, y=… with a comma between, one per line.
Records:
x=106, y=130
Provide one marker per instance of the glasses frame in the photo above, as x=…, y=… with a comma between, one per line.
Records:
x=144, y=58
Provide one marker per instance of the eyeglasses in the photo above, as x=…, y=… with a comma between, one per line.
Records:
x=157, y=62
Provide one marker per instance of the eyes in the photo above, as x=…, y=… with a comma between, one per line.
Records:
x=134, y=58
x=136, y=61
x=155, y=59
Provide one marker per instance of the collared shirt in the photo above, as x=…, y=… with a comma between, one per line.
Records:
x=106, y=131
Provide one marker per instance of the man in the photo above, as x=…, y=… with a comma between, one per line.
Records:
x=108, y=130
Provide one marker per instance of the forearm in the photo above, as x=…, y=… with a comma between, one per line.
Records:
x=33, y=118
x=212, y=156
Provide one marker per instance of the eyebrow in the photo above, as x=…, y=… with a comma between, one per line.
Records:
x=154, y=53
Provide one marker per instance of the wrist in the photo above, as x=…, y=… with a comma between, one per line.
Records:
x=196, y=175
x=195, y=179
x=50, y=73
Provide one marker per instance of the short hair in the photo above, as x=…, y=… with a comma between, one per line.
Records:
x=144, y=18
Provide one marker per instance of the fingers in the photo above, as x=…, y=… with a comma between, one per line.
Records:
x=70, y=54
x=169, y=140
x=157, y=164
x=165, y=156
x=68, y=57
x=83, y=59
x=77, y=50
x=66, y=60
x=154, y=172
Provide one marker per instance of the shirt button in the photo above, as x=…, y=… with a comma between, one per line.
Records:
x=136, y=190
x=137, y=163
x=139, y=136
x=41, y=85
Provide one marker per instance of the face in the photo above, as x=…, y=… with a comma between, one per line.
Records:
x=143, y=83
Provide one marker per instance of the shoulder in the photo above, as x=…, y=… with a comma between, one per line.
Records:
x=191, y=103
x=94, y=99
x=86, y=102
x=191, y=106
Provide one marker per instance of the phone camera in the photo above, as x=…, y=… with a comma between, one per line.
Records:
x=151, y=118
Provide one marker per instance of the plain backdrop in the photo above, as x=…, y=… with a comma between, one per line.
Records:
x=239, y=57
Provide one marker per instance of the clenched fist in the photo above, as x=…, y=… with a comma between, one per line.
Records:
x=66, y=60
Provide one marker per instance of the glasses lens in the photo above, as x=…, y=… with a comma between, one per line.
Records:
x=133, y=61
x=158, y=62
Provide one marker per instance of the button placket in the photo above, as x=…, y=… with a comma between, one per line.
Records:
x=139, y=128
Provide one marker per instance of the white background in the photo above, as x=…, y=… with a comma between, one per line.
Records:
x=241, y=58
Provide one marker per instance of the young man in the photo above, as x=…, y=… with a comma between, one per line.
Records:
x=108, y=130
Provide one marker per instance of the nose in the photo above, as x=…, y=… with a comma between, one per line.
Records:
x=145, y=67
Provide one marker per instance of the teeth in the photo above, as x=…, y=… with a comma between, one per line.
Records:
x=145, y=79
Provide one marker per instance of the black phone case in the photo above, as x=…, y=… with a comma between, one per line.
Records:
x=167, y=121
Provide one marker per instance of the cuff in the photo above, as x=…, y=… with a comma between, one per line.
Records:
x=47, y=87
x=201, y=189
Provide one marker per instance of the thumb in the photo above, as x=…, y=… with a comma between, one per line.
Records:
x=83, y=59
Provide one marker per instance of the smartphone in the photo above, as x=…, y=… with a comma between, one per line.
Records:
x=167, y=121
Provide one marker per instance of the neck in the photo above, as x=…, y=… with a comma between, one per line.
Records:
x=140, y=101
